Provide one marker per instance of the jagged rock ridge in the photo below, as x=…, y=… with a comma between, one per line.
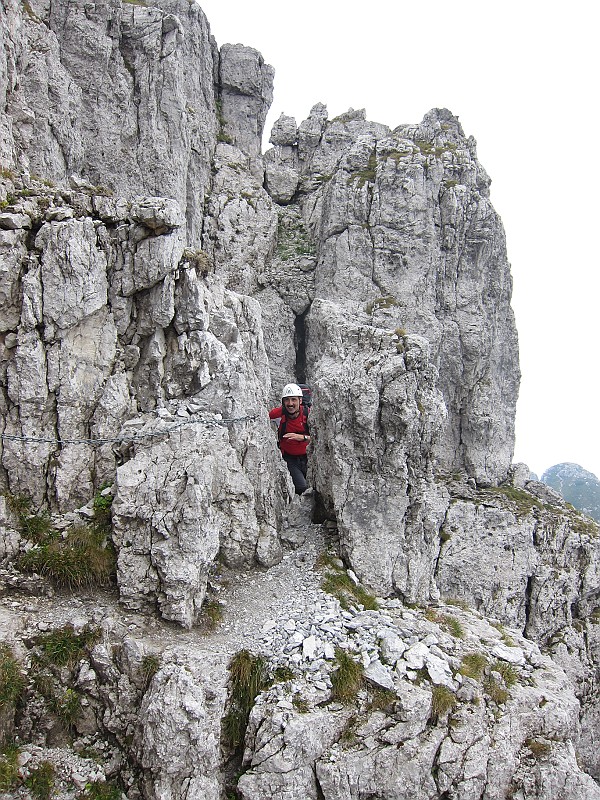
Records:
x=160, y=280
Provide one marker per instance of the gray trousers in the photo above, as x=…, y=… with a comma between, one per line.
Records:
x=297, y=466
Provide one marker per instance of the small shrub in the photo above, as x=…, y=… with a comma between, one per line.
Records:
x=443, y=700
x=9, y=767
x=40, y=780
x=473, y=665
x=248, y=677
x=12, y=681
x=347, y=679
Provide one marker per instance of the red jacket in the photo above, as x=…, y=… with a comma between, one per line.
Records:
x=298, y=425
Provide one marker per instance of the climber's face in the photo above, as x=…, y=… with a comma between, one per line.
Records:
x=292, y=405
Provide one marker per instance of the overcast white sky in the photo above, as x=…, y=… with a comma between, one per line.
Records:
x=522, y=76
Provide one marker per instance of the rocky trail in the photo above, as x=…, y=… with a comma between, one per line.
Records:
x=250, y=601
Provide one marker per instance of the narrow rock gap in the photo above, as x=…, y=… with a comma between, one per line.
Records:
x=528, y=596
x=300, y=345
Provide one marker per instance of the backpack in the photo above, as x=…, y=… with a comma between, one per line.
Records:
x=307, y=400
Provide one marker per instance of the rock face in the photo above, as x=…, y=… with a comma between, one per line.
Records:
x=160, y=280
x=577, y=486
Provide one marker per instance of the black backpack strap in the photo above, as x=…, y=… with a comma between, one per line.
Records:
x=282, y=427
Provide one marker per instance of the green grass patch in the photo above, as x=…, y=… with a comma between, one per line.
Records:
x=102, y=790
x=386, y=301
x=64, y=648
x=9, y=767
x=40, y=780
x=293, y=239
x=348, y=734
x=247, y=677
x=212, y=614
x=149, y=666
x=81, y=560
x=300, y=704
x=347, y=679
x=382, y=700
x=340, y=585
x=452, y=625
x=473, y=665
x=507, y=671
x=366, y=175
x=67, y=707
x=521, y=501
x=443, y=700
x=457, y=603
x=283, y=674
x=497, y=693
x=12, y=681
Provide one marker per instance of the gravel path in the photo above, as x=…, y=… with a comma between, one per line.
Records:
x=251, y=600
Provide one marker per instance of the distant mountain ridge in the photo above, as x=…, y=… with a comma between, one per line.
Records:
x=577, y=486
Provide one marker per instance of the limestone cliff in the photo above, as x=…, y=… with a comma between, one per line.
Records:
x=160, y=279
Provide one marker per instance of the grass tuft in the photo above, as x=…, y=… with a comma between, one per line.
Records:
x=82, y=560
x=63, y=647
x=300, y=703
x=347, y=679
x=248, y=677
x=99, y=790
x=12, y=681
x=473, y=665
x=212, y=614
x=507, y=671
x=9, y=767
x=443, y=700
x=40, y=780
x=283, y=674
x=337, y=582
x=149, y=666
x=452, y=625
x=497, y=693
x=537, y=748
x=67, y=708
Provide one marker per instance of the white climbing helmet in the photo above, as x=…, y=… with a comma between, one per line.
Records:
x=291, y=390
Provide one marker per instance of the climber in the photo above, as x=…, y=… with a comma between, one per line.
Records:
x=293, y=434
